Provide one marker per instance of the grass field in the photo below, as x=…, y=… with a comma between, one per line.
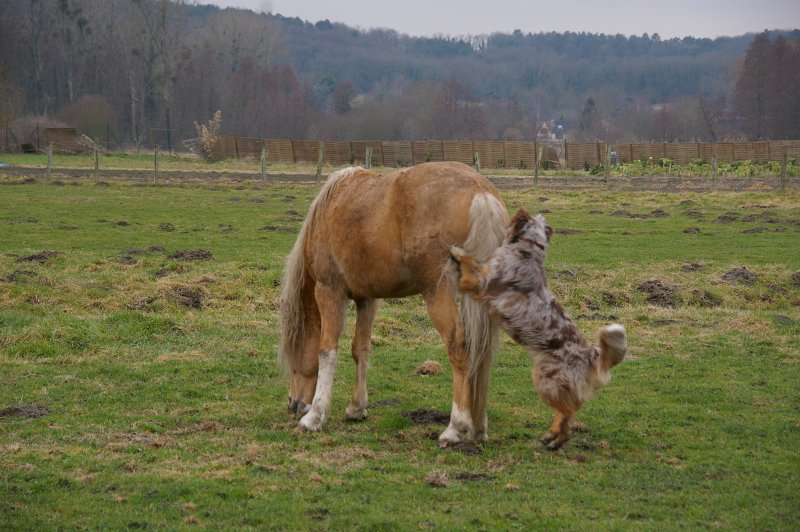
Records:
x=139, y=389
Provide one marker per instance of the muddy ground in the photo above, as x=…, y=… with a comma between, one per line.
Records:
x=632, y=184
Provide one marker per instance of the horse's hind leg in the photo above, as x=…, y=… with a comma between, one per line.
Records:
x=443, y=311
x=304, y=369
x=362, y=346
x=331, y=304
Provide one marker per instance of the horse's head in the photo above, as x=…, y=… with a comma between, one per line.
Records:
x=533, y=231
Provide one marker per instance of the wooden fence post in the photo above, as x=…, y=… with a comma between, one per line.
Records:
x=607, y=162
x=784, y=164
x=368, y=157
x=714, y=172
x=320, y=153
x=155, y=165
x=476, y=159
x=96, y=163
x=536, y=162
x=49, y=159
x=263, y=164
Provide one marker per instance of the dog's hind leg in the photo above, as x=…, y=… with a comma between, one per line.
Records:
x=362, y=346
x=559, y=431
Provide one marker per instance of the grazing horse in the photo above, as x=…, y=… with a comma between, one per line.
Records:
x=369, y=236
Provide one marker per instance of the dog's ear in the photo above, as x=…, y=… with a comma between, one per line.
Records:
x=518, y=222
x=548, y=231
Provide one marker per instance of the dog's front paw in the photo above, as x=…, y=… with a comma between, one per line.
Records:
x=457, y=252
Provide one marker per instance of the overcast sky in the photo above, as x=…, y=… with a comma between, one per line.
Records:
x=668, y=18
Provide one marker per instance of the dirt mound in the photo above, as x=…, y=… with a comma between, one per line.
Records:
x=796, y=278
x=692, y=267
x=658, y=293
x=39, y=258
x=658, y=213
x=426, y=416
x=693, y=214
x=16, y=275
x=26, y=411
x=728, y=217
x=192, y=254
x=566, y=231
x=621, y=212
x=692, y=230
x=704, y=298
x=168, y=227
x=740, y=275
x=189, y=297
x=595, y=212
x=429, y=367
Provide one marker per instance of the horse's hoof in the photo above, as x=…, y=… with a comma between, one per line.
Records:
x=303, y=408
x=293, y=405
x=355, y=413
x=482, y=437
x=453, y=436
x=311, y=422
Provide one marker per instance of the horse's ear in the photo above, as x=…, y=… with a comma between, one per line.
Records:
x=518, y=222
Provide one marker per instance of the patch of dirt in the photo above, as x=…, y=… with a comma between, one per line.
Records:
x=659, y=294
x=565, y=274
x=469, y=476
x=288, y=199
x=189, y=297
x=688, y=202
x=664, y=323
x=163, y=272
x=437, y=479
x=102, y=184
x=692, y=267
x=777, y=288
x=545, y=211
x=127, y=260
x=566, y=231
x=156, y=249
x=278, y=229
x=25, y=411
x=39, y=258
x=613, y=300
x=692, y=230
x=383, y=402
x=595, y=212
x=123, y=223
x=257, y=200
x=659, y=213
x=543, y=199
x=16, y=275
x=621, y=212
x=728, y=217
x=597, y=317
x=740, y=275
x=783, y=320
x=426, y=416
x=796, y=278
x=429, y=367
x=226, y=228
x=192, y=254
x=693, y=214
x=167, y=227
x=468, y=448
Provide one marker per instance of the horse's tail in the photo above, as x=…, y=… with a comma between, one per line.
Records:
x=294, y=304
x=488, y=220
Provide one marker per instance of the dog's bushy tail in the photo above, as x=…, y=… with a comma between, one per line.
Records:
x=613, y=344
x=488, y=221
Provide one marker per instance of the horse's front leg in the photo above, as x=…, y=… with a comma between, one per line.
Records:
x=443, y=312
x=331, y=303
x=366, y=309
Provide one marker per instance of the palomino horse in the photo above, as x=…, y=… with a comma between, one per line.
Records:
x=369, y=236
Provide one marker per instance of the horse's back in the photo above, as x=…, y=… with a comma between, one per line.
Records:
x=388, y=235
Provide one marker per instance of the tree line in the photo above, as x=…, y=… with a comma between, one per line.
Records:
x=141, y=67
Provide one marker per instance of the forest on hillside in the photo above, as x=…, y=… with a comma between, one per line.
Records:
x=136, y=68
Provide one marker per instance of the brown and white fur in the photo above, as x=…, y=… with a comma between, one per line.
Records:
x=512, y=287
x=370, y=236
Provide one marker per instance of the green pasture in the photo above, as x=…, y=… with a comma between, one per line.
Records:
x=140, y=391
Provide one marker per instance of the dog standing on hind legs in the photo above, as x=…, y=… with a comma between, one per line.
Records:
x=512, y=288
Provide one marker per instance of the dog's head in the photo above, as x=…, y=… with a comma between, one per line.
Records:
x=531, y=230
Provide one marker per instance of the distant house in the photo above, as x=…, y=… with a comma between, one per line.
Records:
x=550, y=130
